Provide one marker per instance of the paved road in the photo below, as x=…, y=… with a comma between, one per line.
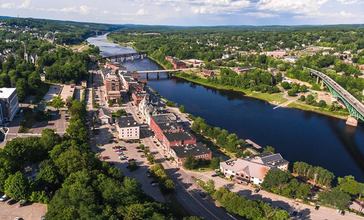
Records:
x=308, y=212
x=187, y=192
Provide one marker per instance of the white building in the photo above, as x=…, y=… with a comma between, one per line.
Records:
x=9, y=104
x=104, y=116
x=244, y=170
x=253, y=169
x=128, y=128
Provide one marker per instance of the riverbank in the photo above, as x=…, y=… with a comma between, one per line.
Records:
x=274, y=99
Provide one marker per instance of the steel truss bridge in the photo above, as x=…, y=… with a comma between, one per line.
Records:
x=354, y=106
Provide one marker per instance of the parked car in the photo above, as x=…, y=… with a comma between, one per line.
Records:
x=11, y=202
x=4, y=198
x=214, y=175
x=105, y=157
x=123, y=157
x=257, y=190
x=22, y=203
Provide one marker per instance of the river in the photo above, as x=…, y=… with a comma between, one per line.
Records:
x=297, y=135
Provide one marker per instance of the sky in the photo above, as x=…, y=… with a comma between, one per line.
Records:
x=191, y=12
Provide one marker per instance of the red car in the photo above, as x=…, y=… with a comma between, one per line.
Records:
x=105, y=157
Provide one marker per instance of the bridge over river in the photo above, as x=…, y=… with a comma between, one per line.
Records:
x=354, y=106
x=126, y=56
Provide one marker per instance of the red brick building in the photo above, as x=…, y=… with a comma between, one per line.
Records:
x=177, y=64
x=197, y=151
x=169, y=132
x=113, y=86
x=137, y=97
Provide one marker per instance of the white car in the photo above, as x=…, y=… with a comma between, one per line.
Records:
x=4, y=198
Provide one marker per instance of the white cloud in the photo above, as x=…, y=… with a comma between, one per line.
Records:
x=25, y=4
x=141, y=12
x=291, y=6
x=261, y=14
x=219, y=6
x=348, y=2
x=7, y=5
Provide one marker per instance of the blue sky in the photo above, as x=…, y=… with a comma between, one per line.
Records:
x=191, y=12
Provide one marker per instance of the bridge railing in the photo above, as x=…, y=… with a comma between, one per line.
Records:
x=340, y=90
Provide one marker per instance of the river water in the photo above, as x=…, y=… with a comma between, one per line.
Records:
x=297, y=135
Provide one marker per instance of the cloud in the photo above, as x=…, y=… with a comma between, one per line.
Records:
x=141, y=12
x=348, y=2
x=25, y=4
x=7, y=5
x=261, y=14
x=291, y=6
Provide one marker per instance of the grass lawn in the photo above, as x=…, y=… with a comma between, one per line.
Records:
x=276, y=98
x=305, y=107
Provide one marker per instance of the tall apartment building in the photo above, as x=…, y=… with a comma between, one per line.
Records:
x=9, y=104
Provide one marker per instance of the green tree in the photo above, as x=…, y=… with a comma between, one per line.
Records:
x=336, y=198
x=269, y=149
x=57, y=102
x=17, y=186
x=349, y=185
x=215, y=163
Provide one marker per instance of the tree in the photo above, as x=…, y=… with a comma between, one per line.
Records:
x=215, y=163
x=349, y=185
x=336, y=198
x=21, y=89
x=322, y=104
x=77, y=131
x=190, y=163
x=48, y=175
x=70, y=161
x=17, y=186
x=269, y=149
x=49, y=139
x=57, y=102
x=275, y=178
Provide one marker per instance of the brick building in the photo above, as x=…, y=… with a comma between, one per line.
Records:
x=113, y=87
x=197, y=151
x=169, y=132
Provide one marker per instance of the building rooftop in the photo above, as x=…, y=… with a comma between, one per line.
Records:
x=269, y=159
x=246, y=168
x=191, y=150
x=127, y=121
x=6, y=92
x=178, y=136
x=165, y=118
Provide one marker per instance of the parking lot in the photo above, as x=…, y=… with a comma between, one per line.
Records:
x=30, y=212
x=102, y=141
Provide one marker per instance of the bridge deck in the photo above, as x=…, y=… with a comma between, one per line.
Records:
x=164, y=71
x=344, y=94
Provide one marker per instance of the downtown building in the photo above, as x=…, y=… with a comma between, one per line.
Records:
x=9, y=104
x=254, y=169
x=176, y=141
x=127, y=128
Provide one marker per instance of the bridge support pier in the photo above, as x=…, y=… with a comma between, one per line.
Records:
x=157, y=75
x=351, y=121
x=147, y=76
